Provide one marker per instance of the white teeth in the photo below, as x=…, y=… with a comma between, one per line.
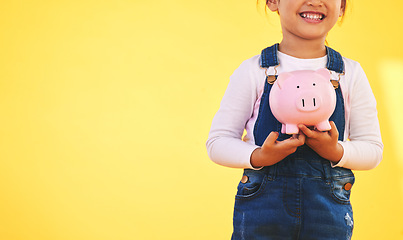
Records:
x=313, y=16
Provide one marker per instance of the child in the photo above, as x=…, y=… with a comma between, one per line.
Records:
x=296, y=187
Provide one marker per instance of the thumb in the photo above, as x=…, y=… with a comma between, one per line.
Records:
x=271, y=139
x=333, y=131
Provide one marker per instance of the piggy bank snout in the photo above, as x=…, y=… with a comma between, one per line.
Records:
x=308, y=102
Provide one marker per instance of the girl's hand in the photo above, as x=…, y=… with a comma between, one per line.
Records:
x=273, y=151
x=324, y=143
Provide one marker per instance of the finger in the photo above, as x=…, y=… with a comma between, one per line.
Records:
x=301, y=138
x=271, y=139
x=296, y=140
x=308, y=132
x=333, y=131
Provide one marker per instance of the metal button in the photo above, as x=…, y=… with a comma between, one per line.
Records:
x=271, y=79
x=335, y=83
x=348, y=186
x=244, y=179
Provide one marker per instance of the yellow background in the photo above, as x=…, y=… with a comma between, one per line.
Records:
x=105, y=107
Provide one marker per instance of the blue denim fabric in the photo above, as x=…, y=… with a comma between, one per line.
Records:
x=301, y=197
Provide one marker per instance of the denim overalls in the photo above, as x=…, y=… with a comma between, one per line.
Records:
x=302, y=196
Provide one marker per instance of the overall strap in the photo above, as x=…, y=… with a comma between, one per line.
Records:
x=268, y=57
x=334, y=61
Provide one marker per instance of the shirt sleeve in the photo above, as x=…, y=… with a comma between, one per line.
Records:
x=224, y=144
x=363, y=149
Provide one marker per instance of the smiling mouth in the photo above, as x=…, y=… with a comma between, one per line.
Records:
x=312, y=16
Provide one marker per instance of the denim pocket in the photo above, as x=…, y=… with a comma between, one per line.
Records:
x=341, y=188
x=252, y=183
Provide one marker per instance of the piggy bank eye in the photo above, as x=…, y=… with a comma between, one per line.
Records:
x=314, y=84
x=297, y=86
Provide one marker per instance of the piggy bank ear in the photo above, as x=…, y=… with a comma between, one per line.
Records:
x=282, y=77
x=324, y=73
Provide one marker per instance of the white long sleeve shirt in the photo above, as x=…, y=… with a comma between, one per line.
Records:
x=240, y=105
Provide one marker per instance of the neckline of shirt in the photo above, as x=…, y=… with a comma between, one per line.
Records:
x=290, y=63
x=291, y=58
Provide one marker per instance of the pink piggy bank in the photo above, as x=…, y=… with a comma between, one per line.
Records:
x=303, y=97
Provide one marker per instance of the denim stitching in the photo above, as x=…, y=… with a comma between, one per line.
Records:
x=296, y=214
x=268, y=56
x=334, y=60
x=255, y=194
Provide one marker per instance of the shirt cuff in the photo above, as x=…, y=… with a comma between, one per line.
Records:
x=343, y=159
x=250, y=158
